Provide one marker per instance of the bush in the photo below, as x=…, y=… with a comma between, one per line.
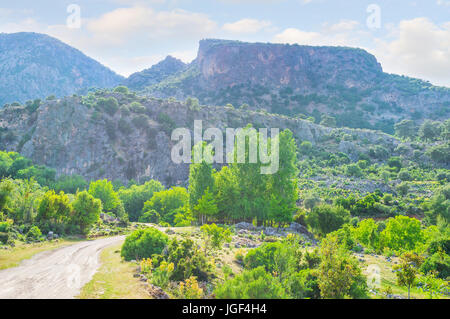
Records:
x=121, y=89
x=5, y=226
x=188, y=261
x=144, y=243
x=109, y=105
x=4, y=238
x=353, y=170
x=34, y=234
x=326, y=218
x=150, y=216
x=215, y=236
x=300, y=217
x=439, y=263
x=251, y=284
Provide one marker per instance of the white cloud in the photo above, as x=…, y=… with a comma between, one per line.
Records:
x=246, y=26
x=443, y=3
x=417, y=48
x=119, y=26
x=344, y=33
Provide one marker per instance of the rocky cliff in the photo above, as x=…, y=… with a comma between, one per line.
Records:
x=75, y=135
x=155, y=74
x=347, y=83
x=35, y=66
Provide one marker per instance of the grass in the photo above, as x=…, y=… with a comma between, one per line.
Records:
x=12, y=257
x=114, y=279
x=388, y=278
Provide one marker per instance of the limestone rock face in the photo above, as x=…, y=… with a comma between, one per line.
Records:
x=347, y=83
x=35, y=66
x=78, y=138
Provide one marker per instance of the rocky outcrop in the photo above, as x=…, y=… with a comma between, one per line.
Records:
x=35, y=66
x=155, y=74
x=76, y=137
x=347, y=83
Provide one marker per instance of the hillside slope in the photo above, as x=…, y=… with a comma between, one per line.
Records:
x=35, y=66
x=347, y=83
x=79, y=135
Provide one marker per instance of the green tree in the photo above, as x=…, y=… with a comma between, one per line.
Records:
x=402, y=233
x=167, y=203
x=282, y=185
x=430, y=130
x=86, y=211
x=54, y=208
x=200, y=179
x=339, y=275
x=134, y=197
x=206, y=206
x=407, y=270
x=104, y=190
x=327, y=218
x=405, y=129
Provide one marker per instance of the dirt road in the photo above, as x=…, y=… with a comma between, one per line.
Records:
x=55, y=274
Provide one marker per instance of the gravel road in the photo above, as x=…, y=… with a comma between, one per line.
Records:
x=55, y=274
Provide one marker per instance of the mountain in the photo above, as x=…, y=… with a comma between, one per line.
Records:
x=304, y=81
x=35, y=66
x=81, y=135
x=155, y=74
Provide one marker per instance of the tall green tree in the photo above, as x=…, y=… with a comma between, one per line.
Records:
x=104, y=190
x=200, y=179
x=86, y=211
x=282, y=185
x=407, y=270
x=339, y=273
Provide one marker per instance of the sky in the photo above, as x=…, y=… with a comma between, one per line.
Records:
x=407, y=37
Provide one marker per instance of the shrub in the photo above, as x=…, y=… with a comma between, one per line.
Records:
x=189, y=289
x=251, y=284
x=161, y=275
x=34, y=234
x=137, y=107
x=150, y=216
x=353, y=170
x=5, y=226
x=143, y=243
x=215, y=235
x=438, y=262
x=402, y=232
x=326, y=218
x=121, y=89
x=109, y=105
x=4, y=238
x=187, y=259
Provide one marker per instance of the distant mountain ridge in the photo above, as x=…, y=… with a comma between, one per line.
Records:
x=155, y=74
x=347, y=83
x=338, y=86
x=34, y=65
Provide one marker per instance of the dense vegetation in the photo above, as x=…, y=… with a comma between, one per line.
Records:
x=363, y=201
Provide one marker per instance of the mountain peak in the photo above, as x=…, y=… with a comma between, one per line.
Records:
x=155, y=74
x=35, y=65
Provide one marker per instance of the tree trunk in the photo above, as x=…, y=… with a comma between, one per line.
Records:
x=409, y=294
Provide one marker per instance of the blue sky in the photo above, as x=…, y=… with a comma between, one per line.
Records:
x=411, y=38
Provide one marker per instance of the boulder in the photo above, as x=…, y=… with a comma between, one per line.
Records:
x=156, y=292
x=244, y=225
